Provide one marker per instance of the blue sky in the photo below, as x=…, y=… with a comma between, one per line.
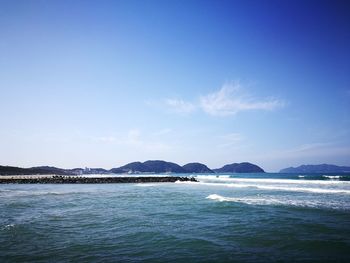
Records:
x=103, y=83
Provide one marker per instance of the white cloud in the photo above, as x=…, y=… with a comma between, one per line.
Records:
x=309, y=147
x=136, y=140
x=229, y=100
x=231, y=139
x=180, y=106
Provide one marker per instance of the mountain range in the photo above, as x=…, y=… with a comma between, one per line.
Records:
x=317, y=168
x=239, y=168
x=152, y=166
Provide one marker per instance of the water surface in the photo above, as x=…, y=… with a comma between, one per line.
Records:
x=241, y=218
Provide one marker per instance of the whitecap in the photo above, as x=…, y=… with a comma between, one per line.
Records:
x=273, y=181
x=146, y=185
x=332, y=176
x=220, y=198
x=246, y=200
x=273, y=201
x=9, y=226
x=209, y=177
x=305, y=189
x=273, y=187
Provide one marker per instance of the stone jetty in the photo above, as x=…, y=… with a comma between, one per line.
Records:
x=93, y=180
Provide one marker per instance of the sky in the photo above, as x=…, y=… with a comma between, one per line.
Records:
x=104, y=83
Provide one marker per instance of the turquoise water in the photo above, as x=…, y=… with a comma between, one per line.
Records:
x=230, y=218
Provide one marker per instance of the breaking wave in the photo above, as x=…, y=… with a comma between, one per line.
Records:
x=268, y=180
x=332, y=176
x=274, y=201
x=315, y=186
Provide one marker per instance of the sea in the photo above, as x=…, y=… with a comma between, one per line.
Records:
x=222, y=218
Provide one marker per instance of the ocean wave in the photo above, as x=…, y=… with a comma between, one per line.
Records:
x=275, y=187
x=146, y=185
x=274, y=201
x=213, y=176
x=271, y=181
x=332, y=176
x=7, y=227
x=303, y=189
x=246, y=200
x=221, y=198
x=301, y=176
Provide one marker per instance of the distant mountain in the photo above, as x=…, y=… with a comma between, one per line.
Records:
x=197, y=168
x=11, y=170
x=240, y=168
x=49, y=170
x=164, y=167
x=153, y=166
x=156, y=166
x=134, y=167
x=318, y=168
x=117, y=171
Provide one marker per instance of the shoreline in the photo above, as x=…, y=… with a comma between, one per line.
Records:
x=56, y=179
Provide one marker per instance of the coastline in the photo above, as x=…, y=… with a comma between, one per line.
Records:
x=55, y=179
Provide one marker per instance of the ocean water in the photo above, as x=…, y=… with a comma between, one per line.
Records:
x=225, y=218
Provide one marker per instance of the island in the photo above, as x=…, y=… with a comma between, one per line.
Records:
x=244, y=167
x=317, y=168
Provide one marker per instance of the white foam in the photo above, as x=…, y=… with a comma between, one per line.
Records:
x=213, y=176
x=219, y=198
x=304, y=189
x=273, y=201
x=332, y=176
x=7, y=227
x=274, y=187
x=250, y=200
x=274, y=181
x=301, y=176
x=146, y=185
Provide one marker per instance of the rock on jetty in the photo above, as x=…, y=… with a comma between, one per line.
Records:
x=94, y=180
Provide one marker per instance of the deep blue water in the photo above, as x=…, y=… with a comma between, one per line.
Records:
x=230, y=218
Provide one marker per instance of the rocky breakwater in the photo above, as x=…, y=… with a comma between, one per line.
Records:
x=93, y=180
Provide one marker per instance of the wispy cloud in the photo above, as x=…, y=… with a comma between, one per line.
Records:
x=134, y=138
x=162, y=132
x=180, y=106
x=229, y=100
x=309, y=147
x=131, y=137
x=231, y=139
